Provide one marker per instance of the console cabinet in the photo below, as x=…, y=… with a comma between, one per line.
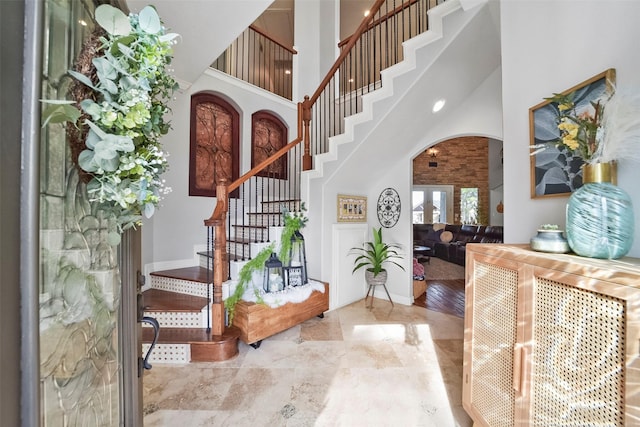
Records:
x=550, y=340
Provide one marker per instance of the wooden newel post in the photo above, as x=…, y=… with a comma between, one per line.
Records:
x=307, y=162
x=218, y=221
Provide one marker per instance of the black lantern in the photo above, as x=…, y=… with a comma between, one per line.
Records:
x=296, y=270
x=273, y=279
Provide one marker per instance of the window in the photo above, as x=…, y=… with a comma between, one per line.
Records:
x=469, y=205
x=432, y=204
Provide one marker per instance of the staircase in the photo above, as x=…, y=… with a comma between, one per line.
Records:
x=178, y=298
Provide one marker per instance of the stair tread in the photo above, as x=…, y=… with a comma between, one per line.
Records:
x=159, y=300
x=188, y=335
x=230, y=257
x=242, y=240
x=281, y=201
x=194, y=274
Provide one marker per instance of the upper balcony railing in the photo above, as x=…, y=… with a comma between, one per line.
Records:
x=257, y=58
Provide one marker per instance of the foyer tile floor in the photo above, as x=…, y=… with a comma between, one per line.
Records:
x=389, y=366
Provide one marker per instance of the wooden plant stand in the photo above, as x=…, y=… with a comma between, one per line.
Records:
x=258, y=321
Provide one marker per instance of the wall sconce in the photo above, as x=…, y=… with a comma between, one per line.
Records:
x=433, y=154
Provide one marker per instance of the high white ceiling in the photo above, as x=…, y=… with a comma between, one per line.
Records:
x=206, y=27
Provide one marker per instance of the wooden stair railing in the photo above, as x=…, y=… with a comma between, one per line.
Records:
x=327, y=118
x=217, y=226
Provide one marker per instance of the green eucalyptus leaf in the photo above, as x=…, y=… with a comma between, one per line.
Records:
x=90, y=107
x=127, y=83
x=113, y=20
x=86, y=161
x=149, y=20
x=126, y=51
x=99, y=132
x=110, y=164
x=143, y=82
x=82, y=79
x=110, y=86
x=92, y=139
x=60, y=113
x=104, y=68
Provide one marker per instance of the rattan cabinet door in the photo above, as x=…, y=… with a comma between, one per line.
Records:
x=577, y=375
x=491, y=310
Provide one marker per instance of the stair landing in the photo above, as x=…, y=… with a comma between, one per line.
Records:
x=178, y=301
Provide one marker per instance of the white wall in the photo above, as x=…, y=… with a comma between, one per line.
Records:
x=547, y=47
x=479, y=114
x=315, y=41
x=176, y=232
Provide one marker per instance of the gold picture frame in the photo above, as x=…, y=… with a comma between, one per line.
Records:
x=555, y=173
x=352, y=208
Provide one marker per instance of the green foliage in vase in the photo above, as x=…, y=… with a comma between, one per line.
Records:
x=124, y=113
x=375, y=254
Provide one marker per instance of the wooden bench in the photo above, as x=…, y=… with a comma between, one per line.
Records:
x=259, y=321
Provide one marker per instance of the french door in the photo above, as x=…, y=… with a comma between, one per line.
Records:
x=432, y=204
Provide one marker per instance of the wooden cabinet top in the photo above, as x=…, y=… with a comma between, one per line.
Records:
x=624, y=271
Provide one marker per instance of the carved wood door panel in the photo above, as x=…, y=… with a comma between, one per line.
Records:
x=268, y=135
x=214, y=144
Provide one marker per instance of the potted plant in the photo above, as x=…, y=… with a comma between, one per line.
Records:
x=373, y=257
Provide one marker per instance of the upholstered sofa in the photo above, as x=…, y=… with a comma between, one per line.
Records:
x=449, y=242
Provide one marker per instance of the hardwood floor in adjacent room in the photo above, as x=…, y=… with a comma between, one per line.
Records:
x=444, y=296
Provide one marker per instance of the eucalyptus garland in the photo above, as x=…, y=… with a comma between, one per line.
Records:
x=293, y=222
x=120, y=112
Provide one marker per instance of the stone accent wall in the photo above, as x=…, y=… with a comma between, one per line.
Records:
x=462, y=162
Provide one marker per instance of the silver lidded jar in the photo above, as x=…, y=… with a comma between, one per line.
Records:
x=550, y=240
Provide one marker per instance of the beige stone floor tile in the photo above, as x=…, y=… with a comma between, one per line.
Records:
x=320, y=354
x=272, y=354
x=259, y=390
x=386, y=366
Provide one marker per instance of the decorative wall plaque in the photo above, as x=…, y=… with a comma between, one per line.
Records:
x=388, y=207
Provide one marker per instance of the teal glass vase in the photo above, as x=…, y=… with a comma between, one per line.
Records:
x=600, y=215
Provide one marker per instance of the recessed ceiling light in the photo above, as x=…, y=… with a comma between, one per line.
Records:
x=287, y=71
x=82, y=22
x=438, y=105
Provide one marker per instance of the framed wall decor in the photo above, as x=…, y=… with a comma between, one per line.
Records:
x=554, y=170
x=352, y=208
x=388, y=207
